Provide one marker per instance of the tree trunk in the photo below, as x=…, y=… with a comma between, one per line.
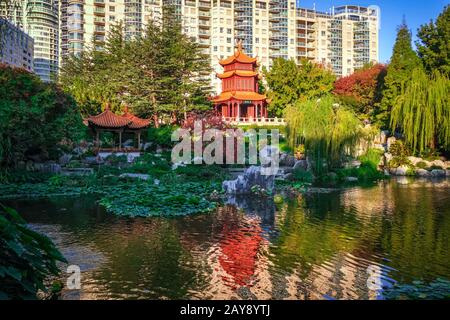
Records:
x=156, y=120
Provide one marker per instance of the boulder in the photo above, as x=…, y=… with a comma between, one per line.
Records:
x=79, y=151
x=423, y=173
x=65, y=159
x=439, y=163
x=390, y=141
x=287, y=160
x=50, y=168
x=400, y=171
x=447, y=173
x=415, y=160
x=387, y=158
x=300, y=165
x=288, y=176
x=93, y=160
x=384, y=134
x=351, y=179
x=252, y=177
x=438, y=173
x=147, y=145
x=135, y=176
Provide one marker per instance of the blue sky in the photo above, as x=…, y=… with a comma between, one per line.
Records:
x=416, y=12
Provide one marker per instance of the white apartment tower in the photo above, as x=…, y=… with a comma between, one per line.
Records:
x=343, y=39
x=39, y=19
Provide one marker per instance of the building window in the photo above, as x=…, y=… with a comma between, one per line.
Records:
x=112, y=8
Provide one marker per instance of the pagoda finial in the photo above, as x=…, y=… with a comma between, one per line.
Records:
x=239, y=45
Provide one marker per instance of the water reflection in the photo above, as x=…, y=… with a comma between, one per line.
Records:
x=324, y=246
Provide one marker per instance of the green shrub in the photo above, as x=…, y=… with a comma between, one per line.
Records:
x=23, y=176
x=161, y=136
x=301, y=175
x=114, y=159
x=28, y=258
x=421, y=165
x=151, y=164
x=399, y=161
x=194, y=172
x=398, y=149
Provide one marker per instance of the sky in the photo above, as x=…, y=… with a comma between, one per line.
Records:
x=416, y=12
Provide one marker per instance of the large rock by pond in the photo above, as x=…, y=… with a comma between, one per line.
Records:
x=243, y=184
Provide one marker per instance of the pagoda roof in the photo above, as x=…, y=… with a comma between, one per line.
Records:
x=239, y=95
x=241, y=73
x=136, y=122
x=238, y=56
x=109, y=120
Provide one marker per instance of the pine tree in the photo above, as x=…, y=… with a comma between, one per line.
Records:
x=404, y=60
x=434, y=43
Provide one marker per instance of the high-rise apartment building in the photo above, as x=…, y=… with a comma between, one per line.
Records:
x=16, y=47
x=39, y=19
x=343, y=39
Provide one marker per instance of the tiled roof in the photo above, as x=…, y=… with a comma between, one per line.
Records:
x=136, y=122
x=109, y=120
x=239, y=95
x=238, y=56
x=242, y=73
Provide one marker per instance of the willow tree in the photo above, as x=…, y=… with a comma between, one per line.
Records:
x=422, y=113
x=329, y=131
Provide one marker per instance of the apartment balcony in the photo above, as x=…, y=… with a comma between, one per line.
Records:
x=99, y=3
x=203, y=33
x=204, y=15
x=204, y=4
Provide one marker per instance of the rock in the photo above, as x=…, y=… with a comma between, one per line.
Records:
x=91, y=160
x=353, y=164
x=415, y=160
x=135, y=176
x=390, y=141
x=387, y=158
x=423, y=173
x=178, y=164
x=288, y=176
x=252, y=177
x=159, y=149
x=65, y=159
x=447, y=173
x=301, y=165
x=384, y=136
x=156, y=182
x=439, y=163
x=287, y=160
x=79, y=151
x=29, y=165
x=147, y=145
x=50, y=168
x=351, y=179
x=386, y=172
x=400, y=171
x=438, y=173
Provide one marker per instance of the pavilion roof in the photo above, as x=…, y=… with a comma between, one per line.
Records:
x=238, y=56
x=241, y=73
x=109, y=120
x=239, y=95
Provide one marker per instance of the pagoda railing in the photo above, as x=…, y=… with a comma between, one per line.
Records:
x=253, y=121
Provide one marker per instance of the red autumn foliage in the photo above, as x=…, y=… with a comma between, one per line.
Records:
x=363, y=85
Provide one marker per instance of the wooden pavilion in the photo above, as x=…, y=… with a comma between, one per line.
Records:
x=108, y=121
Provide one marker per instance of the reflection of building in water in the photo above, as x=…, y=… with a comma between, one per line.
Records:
x=238, y=261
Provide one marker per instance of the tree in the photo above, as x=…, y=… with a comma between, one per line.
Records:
x=37, y=118
x=161, y=73
x=433, y=45
x=328, y=130
x=289, y=82
x=403, y=61
x=361, y=90
x=422, y=112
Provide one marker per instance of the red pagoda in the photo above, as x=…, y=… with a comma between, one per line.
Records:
x=240, y=98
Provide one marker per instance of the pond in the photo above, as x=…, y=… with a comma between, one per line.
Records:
x=318, y=246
